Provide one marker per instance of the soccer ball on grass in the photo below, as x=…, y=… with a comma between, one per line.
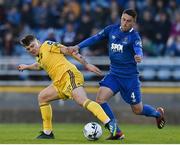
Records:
x=92, y=131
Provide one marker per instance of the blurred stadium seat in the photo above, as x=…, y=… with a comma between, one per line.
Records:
x=149, y=74
x=176, y=74
x=164, y=74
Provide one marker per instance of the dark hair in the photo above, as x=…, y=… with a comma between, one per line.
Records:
x=25, y=41
x=130, y=12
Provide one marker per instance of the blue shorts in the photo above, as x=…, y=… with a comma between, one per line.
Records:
x=129, y=88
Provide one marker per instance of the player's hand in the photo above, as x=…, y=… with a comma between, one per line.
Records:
x=138, y=58
x=73, y=49
x=94, y=69
x=22, y=67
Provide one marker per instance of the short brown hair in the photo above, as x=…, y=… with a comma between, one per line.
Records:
x=131, y=12
x=26, y=40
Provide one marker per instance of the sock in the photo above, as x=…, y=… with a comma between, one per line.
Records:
x=46, y=113
x=150, y=111
x=109, y=112
x=96, y=109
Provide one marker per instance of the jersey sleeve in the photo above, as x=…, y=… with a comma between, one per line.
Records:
x=96, y=38
x=137, y=45
x=105, y=32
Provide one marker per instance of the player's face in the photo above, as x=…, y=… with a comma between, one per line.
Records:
x=127, y=22
x=33, y=48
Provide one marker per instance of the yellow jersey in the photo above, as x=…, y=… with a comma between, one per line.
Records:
x=53, y=61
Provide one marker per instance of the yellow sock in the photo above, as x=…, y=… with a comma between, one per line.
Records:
x=46, y=113
x=96, y=109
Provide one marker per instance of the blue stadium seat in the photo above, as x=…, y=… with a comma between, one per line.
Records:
x=148, y=74
x=176, y=74
x=163, y=74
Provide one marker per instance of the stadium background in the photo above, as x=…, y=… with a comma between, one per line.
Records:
x=69, y=22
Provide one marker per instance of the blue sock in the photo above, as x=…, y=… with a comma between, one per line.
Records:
x=150, y=111
x=109, y=113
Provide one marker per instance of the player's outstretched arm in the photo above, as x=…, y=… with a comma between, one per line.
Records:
x=80, y=58
x=87, y=65
x=73, y=49
x=34, y=66
x=69, y=50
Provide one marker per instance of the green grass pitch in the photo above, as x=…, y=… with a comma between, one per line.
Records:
x=72, y=134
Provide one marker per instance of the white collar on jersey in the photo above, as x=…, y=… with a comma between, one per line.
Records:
x=129, y=30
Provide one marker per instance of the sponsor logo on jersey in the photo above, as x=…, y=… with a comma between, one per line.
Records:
x=116, y=47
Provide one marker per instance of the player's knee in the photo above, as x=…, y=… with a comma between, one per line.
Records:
x=42, y=98
x=100, y=100
x=137, y=110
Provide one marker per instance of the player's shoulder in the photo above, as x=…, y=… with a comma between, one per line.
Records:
x=48, y=42
x=52, y=43
x=135, y=33
x=46, y=45
x=110, y=28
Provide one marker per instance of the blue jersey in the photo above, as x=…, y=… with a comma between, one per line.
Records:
x=122, y=48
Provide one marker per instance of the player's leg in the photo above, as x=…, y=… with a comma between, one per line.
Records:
x=150, y=111
x=145, y=109
x=44, y=97
x=79, y=95
x=108, y=87
x=103, y=95
x=132, y=95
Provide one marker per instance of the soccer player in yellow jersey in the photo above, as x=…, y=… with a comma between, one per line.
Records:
x=67, y=81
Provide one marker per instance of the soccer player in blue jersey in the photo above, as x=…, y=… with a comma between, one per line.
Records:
x=125, y=51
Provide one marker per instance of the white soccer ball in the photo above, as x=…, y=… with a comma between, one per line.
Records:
x=92, y=131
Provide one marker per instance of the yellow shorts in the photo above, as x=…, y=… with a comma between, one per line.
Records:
x=71, y=79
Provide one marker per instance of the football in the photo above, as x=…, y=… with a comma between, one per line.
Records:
x=92, y=131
